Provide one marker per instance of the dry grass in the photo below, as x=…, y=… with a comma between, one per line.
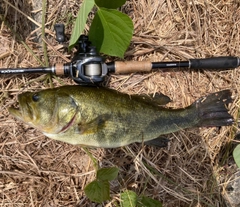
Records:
x=194, y=170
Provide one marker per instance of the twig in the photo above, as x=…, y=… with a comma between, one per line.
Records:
x=44, y=2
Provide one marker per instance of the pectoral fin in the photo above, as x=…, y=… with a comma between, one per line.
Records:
x=159, y=142
x=95, y=125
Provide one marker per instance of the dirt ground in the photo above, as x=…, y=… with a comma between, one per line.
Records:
x=196, y=169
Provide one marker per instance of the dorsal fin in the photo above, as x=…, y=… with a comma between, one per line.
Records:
x=158, y=99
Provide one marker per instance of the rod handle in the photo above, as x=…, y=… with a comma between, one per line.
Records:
x=215, y=63
x=125, y=67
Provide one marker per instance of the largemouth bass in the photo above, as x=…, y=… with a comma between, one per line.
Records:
x=101, y=117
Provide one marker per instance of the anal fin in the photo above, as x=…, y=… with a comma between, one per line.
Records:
x=158, y=142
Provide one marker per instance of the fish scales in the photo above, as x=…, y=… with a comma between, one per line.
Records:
x=101, y=117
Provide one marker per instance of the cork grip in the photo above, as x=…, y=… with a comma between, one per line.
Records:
x=59, y=69
x=132, y=66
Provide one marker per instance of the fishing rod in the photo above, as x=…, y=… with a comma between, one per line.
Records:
x=88, y=67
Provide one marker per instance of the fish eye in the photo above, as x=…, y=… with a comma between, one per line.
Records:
x=35, y=97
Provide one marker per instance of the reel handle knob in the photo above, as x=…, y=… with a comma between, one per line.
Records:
x=60, y=32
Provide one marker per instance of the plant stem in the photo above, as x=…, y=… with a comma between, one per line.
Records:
x=44, y=4
x=95, y=163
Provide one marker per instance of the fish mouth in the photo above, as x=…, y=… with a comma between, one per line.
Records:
x=16, y=112
x=22, y=113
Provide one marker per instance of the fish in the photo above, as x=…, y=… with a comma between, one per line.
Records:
x=102, y=117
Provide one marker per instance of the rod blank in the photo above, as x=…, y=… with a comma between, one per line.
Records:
x=27, y=70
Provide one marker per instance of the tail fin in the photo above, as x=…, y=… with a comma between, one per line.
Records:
x=212, y=109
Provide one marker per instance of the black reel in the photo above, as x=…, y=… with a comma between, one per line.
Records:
x=87, y=66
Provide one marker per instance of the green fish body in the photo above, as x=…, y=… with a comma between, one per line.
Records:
x=101, y=117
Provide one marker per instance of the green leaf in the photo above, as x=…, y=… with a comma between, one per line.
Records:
x=80, y=22
x=128, y=199
x=110, y=4
x=109, y=173
x=98, y=191
x=236, y=155
x=149, y=202
x=111, y=32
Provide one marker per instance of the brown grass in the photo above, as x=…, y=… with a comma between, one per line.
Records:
x=195, y=170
